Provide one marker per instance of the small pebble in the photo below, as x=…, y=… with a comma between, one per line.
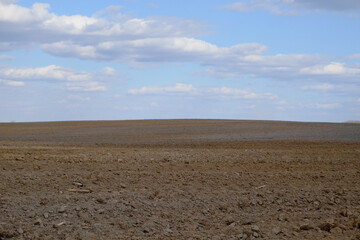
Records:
x=276, y=231
x=306, y=227
x=32, y=215
x=101, y=201
x=62, y=209
x=59, y=224
x=101, y=211
x=38, y=222
x=255, y=228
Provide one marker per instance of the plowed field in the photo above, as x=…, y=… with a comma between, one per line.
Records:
x=179, y=179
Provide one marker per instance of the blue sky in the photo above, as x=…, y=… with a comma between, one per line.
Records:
x=293, y=60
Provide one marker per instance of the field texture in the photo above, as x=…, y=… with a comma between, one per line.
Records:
x=179, y=179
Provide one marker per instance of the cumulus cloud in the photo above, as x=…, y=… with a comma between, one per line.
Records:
x=23, y=27
x=326, y=105
x=354, y=57
x=332, y=5
x=218, y=73
x=72, y=98
x=74, y=80
x=87, y=86
x=108, y=71
x=7, y=58
x=178, y=88
x=293, y=7
x=150, y=50
x=320, y=87
x=241, y=59
x=48, y=72
x=188, y=89
x=12, y=83
x=334, y=68
x=148, y=41
x=276, y=7
x=240, y=93
x=8, y=1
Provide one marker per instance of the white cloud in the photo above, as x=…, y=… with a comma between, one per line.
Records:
x=12, y=83
x=72, y=98
x=282, y=102
x=79, y=98
x=86, y=86
x=242, y=59
x=8, y=58
x=154, y=104
x=276, y=7
x=326, y=105
x=218, y=73
x=358, y=100
x=189, y=89
x=334, y=68
x=150, y=50
x=293, y=7
x=178, y=88
x=52, y=72
x=321, y=87
x=74, y=80
x=353, y=57
x=148, y=41
x=69, y=49
x=332, y=5
x=108, y=71
x=8, y=1
x=239, y=93
x=143, y=41
x=23, y=27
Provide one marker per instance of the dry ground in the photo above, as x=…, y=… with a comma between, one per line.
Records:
x=180, y=179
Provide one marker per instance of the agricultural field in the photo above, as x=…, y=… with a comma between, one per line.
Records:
x=179, y=179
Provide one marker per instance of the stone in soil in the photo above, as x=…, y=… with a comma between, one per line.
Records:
x=62, y=209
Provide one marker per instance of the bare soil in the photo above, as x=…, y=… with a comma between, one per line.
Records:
x=179, y=179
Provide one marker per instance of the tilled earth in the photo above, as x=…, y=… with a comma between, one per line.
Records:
x=198, y=188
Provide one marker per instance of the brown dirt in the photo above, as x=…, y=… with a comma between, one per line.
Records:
x=179, y=179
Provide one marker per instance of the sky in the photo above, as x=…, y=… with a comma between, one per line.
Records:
x=292, y=60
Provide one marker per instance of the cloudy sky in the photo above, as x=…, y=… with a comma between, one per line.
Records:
x=137, y=59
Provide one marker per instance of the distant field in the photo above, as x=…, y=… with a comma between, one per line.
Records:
x=177, y=131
